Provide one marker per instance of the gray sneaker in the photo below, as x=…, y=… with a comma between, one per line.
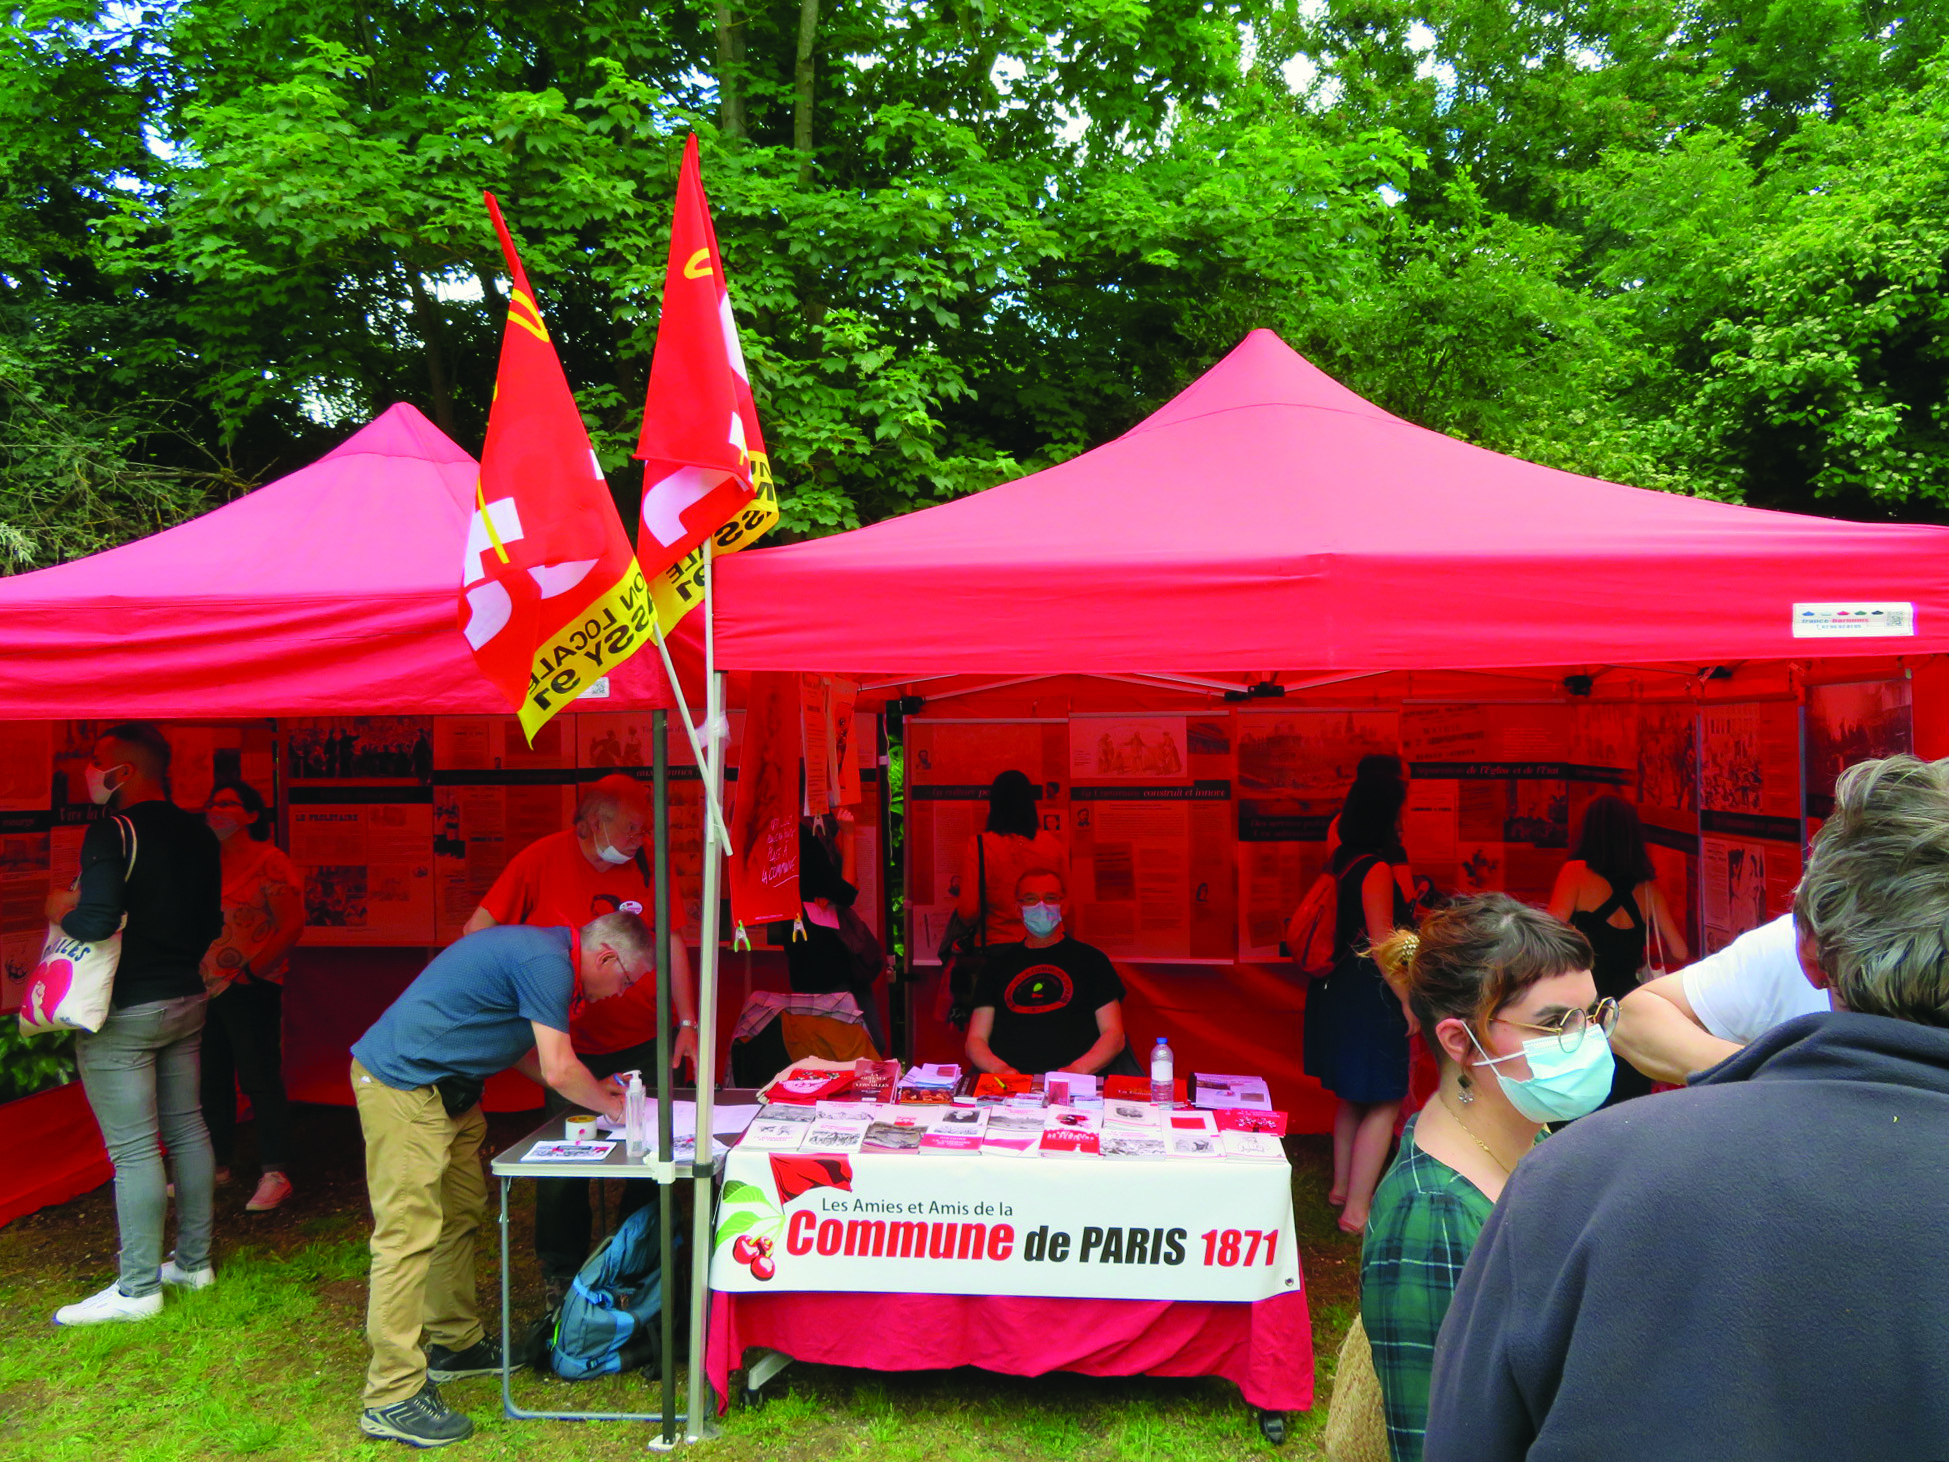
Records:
x=482, y=1358
x=419, y=1421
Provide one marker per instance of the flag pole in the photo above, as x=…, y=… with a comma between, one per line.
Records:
x=713, y=804
x=701, y=1417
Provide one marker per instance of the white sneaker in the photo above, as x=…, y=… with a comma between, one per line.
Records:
x=272, y=1189
x=110, y=1304
x=181, y=1278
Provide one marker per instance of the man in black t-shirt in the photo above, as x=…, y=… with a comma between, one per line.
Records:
x=1050, y=1003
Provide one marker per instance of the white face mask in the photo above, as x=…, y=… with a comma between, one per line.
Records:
x=1562, y=1085
x=98, y=789
x=609, y=855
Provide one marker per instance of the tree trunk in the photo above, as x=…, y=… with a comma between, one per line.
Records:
x=433, y=335
x=730, y=72
x=802, y=89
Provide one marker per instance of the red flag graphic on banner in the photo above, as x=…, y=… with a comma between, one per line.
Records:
x=551, y=597
x=704, y=462
x=764, y=860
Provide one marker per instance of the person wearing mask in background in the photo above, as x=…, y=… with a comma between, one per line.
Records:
x=1609, y=892
x=487, y=1002
x=1503, y=995
x=1692, y=1020
x=597, y=866
x=243, y=1035
x=1012, y=843
x=1749, y=1267
x=1356, y=1033
x=1049, y=1003
x=838, y=951
x=140, y=1069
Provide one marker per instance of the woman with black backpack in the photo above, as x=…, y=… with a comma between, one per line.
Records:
x=1356, y=1034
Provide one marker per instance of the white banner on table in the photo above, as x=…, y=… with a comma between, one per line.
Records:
x=1051, y=1227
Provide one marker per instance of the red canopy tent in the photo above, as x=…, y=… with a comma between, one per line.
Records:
x=1268, y=522
x=1268, y=519
x=328, y=592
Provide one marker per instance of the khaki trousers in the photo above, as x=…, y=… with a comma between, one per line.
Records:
x=429, y=1198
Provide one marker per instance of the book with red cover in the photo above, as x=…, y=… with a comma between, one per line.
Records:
x=1250, y=1119
x=990, y=1087
x=876, y=1081
x=1071, y=1132
x=804, y=1085
x=1136, y=1088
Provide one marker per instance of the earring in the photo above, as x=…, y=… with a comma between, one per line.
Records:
x=1466, y=1095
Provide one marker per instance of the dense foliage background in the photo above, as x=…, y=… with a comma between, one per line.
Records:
x=1689, y=244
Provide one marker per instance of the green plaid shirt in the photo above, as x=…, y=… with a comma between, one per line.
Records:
x=1425, y=1219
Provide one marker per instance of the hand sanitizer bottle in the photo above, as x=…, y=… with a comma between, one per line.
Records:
x=635, y=1117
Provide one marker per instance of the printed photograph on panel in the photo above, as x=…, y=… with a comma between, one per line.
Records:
x=1851, y=723
x=1668, y=759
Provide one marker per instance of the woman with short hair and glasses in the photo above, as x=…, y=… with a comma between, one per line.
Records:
x=1503, y=995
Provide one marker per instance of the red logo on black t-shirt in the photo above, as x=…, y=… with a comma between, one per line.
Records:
x=1039, y=989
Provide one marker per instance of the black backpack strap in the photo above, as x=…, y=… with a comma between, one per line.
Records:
x=981, y=884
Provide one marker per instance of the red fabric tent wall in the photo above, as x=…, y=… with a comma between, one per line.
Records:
x=1270, y=519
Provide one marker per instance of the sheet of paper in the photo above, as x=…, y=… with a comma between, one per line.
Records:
x=726, y=1120
x=568, y=1152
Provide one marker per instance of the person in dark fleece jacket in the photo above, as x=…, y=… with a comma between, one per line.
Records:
x=1749, y=1268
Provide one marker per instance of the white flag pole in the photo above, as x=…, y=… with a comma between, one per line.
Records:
x=702, y=1418
x=712, y=801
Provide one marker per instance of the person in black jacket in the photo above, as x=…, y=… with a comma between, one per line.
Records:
x=838, y=951
x=1749, y=1268
x=160, y=867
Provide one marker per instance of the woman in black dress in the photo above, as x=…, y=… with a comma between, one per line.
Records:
x=1356, y=1034
x=1609, y=891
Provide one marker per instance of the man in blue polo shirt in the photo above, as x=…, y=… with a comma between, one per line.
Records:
x=495, y=999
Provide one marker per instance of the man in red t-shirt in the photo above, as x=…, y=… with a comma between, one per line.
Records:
x=566, y=879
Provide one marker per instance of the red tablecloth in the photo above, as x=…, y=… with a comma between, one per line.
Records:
x=1266, y=1349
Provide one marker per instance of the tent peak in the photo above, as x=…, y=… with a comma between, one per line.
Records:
x=401, y=430
x=1261, y=370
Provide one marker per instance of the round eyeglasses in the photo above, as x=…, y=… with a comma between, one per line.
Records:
x=1569, y=1031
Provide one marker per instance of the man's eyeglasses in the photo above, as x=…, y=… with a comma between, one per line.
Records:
x=1570, y=1027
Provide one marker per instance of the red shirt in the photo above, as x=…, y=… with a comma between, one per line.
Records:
x=550, y=883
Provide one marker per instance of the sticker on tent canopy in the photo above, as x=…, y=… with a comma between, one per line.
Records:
x=1852, y=621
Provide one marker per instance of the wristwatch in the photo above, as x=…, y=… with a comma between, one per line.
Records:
x=690, y=1023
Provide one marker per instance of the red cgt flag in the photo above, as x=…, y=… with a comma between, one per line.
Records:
x=551, y=597
x=705, y=472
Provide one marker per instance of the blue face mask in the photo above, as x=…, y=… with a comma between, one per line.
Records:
x=1562, y=1084
x=1041, y=920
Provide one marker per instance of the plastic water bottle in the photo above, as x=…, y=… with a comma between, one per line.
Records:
x=1163, y=1086
x=635, y=1117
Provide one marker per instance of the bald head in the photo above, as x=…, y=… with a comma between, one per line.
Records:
x=611, y=819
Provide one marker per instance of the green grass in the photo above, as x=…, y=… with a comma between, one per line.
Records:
x=267, y=1364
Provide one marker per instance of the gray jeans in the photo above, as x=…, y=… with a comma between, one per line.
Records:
x=142, y=1075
